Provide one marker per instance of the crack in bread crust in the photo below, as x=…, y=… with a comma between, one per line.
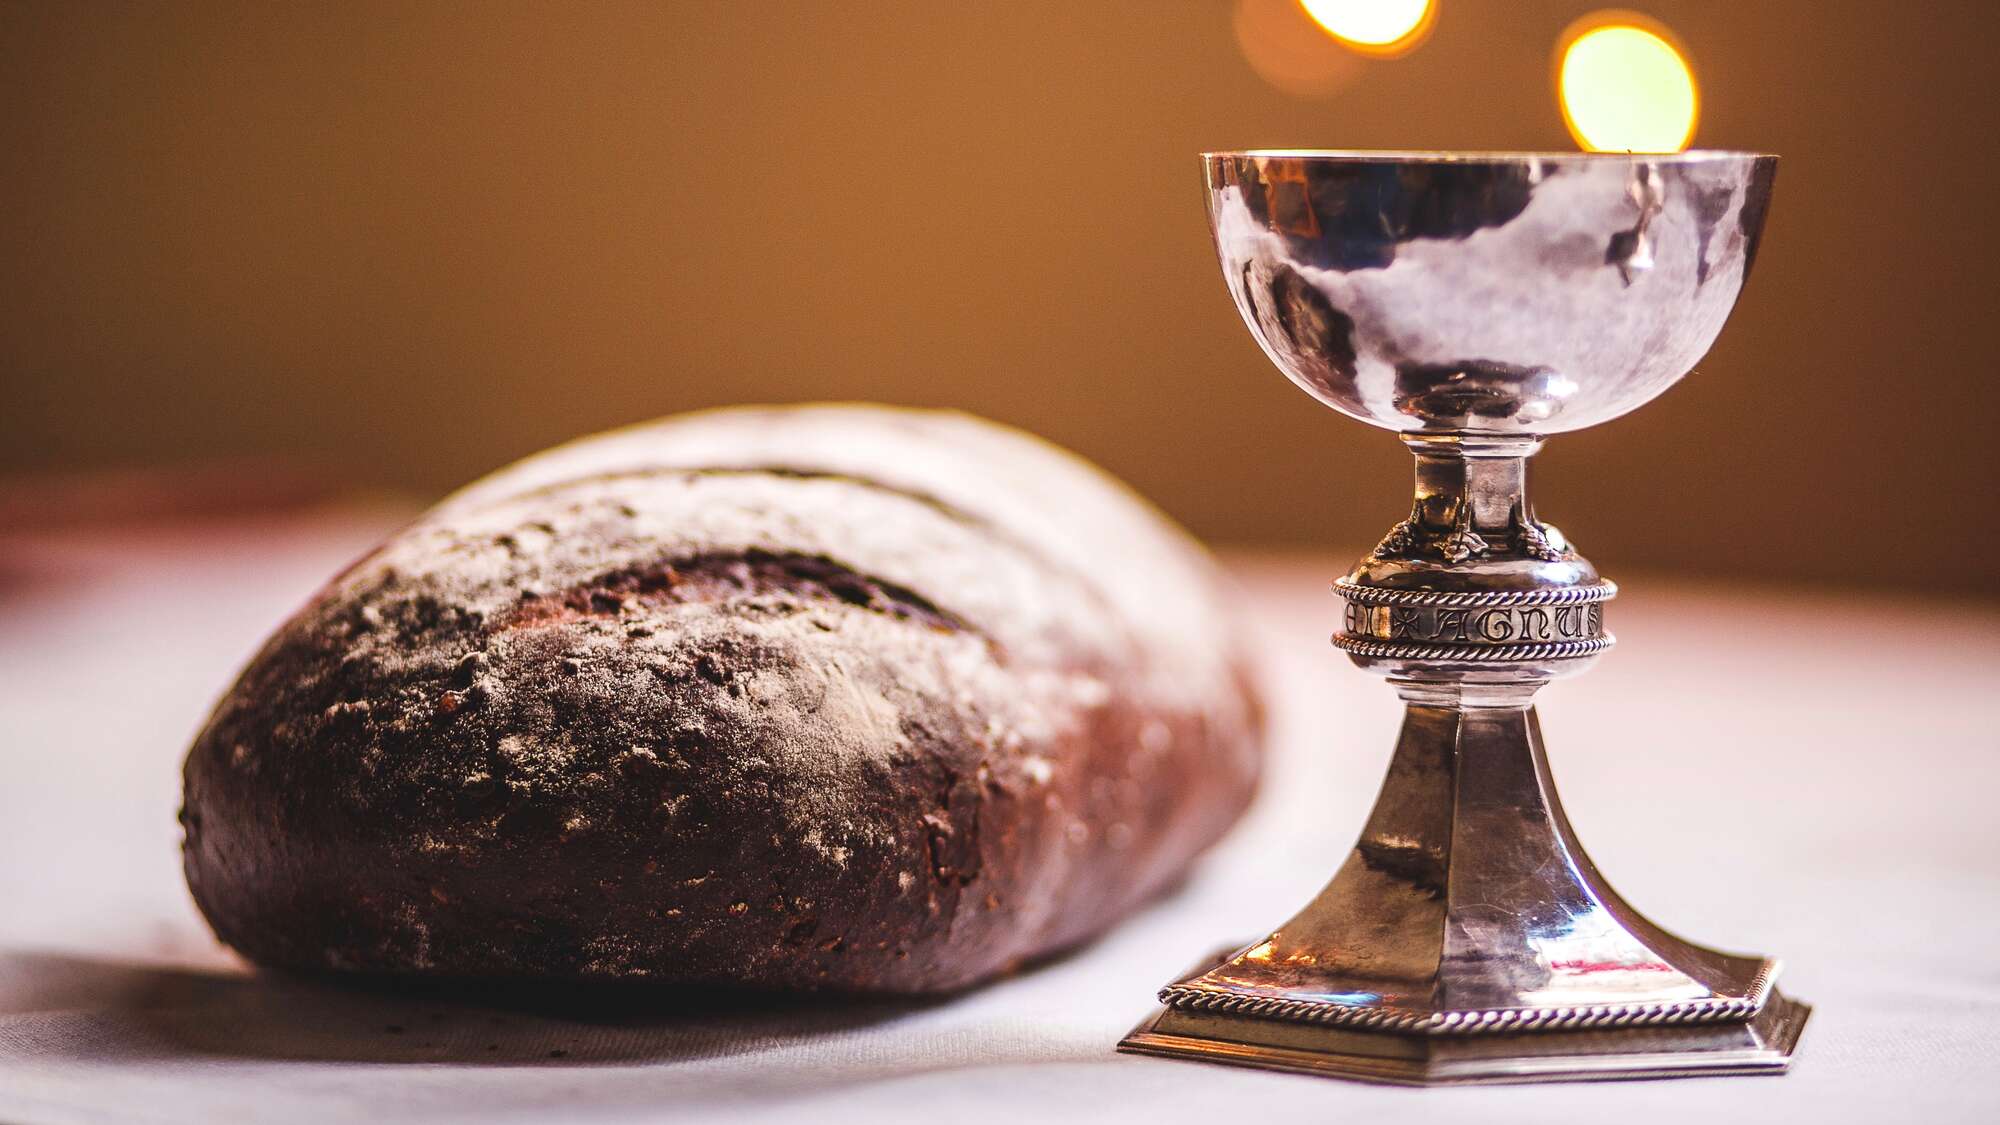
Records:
x=719, y=576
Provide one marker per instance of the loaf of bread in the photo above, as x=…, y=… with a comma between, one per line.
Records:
x=830, y=697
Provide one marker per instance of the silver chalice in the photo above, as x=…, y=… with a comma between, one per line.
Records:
x=1476, y=304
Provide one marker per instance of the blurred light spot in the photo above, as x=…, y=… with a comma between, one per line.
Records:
x=1288, y=50
x=1625, y=87
x=1385, y=28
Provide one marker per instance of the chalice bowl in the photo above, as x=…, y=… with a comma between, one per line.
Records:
x=1476, y=304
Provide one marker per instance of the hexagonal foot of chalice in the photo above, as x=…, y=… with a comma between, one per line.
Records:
x=1761, y=1045
x=1476, y=305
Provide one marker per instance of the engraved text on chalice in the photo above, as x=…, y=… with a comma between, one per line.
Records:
x=1495, y=625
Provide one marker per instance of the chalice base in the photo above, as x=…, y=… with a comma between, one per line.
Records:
x=1762, y=1045
x=1468, y=938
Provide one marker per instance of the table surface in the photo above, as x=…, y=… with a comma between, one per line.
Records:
x=1833, y=758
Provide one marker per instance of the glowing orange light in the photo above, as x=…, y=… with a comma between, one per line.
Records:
x=1625, y=86
x=1291, y=52
x=1374, y=27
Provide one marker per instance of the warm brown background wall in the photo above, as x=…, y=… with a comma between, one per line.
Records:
x=407, y=242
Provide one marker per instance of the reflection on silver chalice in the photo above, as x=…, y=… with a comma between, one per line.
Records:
x=1476, y=304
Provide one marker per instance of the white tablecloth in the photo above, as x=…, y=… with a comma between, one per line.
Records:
x=1813, y=776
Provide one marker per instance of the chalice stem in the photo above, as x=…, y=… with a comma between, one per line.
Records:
x=1468, y=892
x=1471, y=498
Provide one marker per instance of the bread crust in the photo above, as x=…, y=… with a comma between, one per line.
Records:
x=826, y=697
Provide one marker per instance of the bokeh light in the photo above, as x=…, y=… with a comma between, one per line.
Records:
x=1288, y=50
x=1374, y=27
x=1625, y=86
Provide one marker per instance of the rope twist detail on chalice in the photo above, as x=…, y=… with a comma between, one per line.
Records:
x=1466, y=599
